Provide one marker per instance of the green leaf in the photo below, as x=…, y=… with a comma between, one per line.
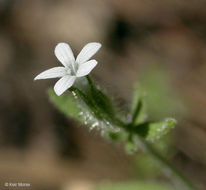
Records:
x=135, y=186
x=137, y=113
x=154, y=130
x=138, y=106
x=66, y=104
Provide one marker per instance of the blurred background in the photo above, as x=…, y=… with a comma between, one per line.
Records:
x=160, y=45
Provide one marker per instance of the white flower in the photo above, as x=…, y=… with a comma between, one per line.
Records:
x=72, y=68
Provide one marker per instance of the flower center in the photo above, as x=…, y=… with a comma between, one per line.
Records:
x=73, y=67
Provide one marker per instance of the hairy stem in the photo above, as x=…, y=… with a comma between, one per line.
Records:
x=169, y=169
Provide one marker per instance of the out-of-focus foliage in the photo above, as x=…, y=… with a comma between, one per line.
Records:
x=135, y=186
x=145, y=166
x=131, y=147
x=160, y=98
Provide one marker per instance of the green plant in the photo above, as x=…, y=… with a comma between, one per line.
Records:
x=91, y=106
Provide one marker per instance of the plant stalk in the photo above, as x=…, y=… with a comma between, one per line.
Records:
x=169, y=169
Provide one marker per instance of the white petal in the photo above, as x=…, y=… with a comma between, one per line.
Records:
x=64, y=54
x=63, y=84
x=87, y=52
x=86, y=68
x=52, y=73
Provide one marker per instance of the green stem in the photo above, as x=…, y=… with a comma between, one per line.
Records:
x=147, y=147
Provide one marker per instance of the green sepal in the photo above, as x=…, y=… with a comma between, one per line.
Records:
x=101, y=101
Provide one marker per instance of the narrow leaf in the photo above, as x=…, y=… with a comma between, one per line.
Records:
x=154, y=130
x=138, y=107
x=137, y=112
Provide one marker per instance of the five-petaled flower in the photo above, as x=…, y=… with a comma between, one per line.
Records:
x=72, y=68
